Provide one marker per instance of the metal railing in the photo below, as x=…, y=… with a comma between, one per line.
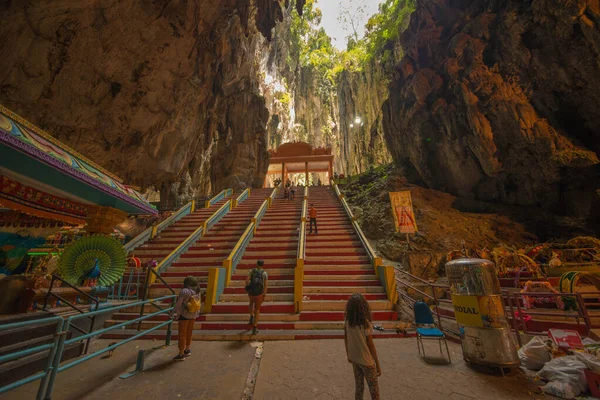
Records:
x=149, y=274
x=153, y=231
x=271, y=197
x=244, y=196
x=57, y=367
x=260, y=214
x=300, y=257
x=432, y=287
x=51, y=347
x=183, y=246
x=61, y=341
x=216, y=217
x=223, y=194
x=93, y=299
x=519, y=323
x=231, y=262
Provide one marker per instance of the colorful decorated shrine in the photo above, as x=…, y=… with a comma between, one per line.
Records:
x=299, y=158
x=54, y=200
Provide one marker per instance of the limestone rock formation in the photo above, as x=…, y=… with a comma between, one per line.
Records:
x=163, y=93
x=500, y=101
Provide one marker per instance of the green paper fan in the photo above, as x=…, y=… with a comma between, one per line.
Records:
x=80, y=257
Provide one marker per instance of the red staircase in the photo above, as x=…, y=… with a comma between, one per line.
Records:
x=337, y=266
x=208, y=252
x=275, y=242
x=168, y=240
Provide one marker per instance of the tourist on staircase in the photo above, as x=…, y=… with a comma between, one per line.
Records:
x=256, y=286
x=312, y=213
x=187, y=309
x=360, y=349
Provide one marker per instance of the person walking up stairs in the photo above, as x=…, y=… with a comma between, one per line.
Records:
x=312, y=213
x=256, y=286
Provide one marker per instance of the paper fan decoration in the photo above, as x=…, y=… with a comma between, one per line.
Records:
x=88, y=255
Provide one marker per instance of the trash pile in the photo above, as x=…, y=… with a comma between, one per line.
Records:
x=569, y=366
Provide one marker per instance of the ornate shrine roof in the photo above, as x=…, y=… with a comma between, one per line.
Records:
x=29, y=151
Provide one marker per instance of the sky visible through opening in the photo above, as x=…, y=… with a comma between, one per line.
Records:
x=339, y=30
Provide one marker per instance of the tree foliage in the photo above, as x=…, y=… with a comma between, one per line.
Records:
x=314, y=48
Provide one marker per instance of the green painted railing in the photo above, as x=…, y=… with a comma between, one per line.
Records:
x=223, y=194
x=231, y=262
x=153, y=231
x=240, y=199
x=216, y=217
x=61, y=340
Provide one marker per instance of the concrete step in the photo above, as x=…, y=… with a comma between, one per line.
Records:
x=308, y=290
x=340, y=305
x=223, y=335
x=243, y=298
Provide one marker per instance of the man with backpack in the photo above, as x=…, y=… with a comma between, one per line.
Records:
x=256, y=286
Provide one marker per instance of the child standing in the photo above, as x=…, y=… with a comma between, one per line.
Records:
x=360, y=349
x=185, y=312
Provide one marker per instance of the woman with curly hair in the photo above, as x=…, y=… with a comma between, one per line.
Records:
x=360, y=349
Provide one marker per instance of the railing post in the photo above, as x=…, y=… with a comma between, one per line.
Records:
x=228, y=265
x=388, y=280
x=298, y=285
x=193, y=206
x=154, y=231
x=60, y=347
x=376, y=263
x=513, y=318
x=213, y=288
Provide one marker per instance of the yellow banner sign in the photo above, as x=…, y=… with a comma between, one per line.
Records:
x=402, y=208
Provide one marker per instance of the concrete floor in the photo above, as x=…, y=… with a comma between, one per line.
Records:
x=315, y=369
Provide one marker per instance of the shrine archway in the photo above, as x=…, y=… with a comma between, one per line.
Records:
x=295, y=158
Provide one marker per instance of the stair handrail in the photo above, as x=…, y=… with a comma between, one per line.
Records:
x=231, y=262
x=149, y=273
x=217, y=215
x=191, y=239
x=73, y=306
x=183, y=246
x=222, y=194
x=50, y=347
x=337, y=191
x=300, y=258
x=244, y=196
x=153, y=231
x=260, y=214
x=432, y=296
x=63, y=341
x=271, y=197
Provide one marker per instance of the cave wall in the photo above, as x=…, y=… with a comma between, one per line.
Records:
x=500, y=100
x=163, y=93
x=361, y=94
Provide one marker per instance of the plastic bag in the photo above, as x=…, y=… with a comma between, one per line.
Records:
x=535, y=354
x=566, y=370
x=592, y=362
x=559, y=389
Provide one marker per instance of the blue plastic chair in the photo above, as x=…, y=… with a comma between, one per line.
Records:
x=426, y=329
